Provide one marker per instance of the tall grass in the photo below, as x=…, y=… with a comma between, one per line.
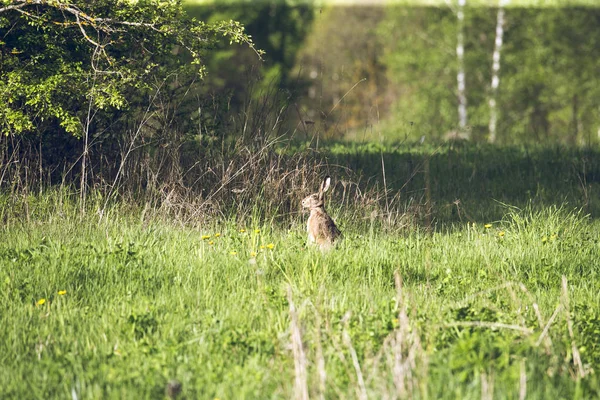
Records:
x=491, y=302
x=148, y=304
x=471, y=273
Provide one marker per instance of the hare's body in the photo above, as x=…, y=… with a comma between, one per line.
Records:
x=322, y=231
x=321, y=228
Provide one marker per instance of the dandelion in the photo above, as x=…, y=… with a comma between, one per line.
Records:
x=270, y=246
x=501, y=233
x=487, y=226
x=253, y=254
x=217, y=235
x=233, y=253
x=262, y=247
x=242, y=230
x=211, y=242
x=62, y=292
x=257, y=230
x=544, y=239
x=41, y=302
x=204, y=237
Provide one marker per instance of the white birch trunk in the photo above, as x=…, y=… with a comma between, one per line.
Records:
x=496, y=70
x=460, y=77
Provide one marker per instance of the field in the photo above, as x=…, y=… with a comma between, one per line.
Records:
x=483, y=283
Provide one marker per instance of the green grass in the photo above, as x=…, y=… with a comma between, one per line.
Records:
x=149, y=300
x=483, y=178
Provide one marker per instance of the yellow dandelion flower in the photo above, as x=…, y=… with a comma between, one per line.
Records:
x=217, y=235
x=501, y=233
x=62, y=292
x=544, y=239
x=487, y=226
x=270, y=246
x=204, y=237
x=233, y=253
x=41, y=302
x=242, y=230
x=211, y=242
x=257, y=230
x=253, y=254
x=262, y=247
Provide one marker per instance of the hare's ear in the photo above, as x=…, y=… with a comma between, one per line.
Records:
x=324, y=186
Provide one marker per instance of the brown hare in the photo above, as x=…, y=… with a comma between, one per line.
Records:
x=322, y=231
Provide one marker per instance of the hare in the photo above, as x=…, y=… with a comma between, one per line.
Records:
x=322, y=231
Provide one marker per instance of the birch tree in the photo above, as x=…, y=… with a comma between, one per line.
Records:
x=460, y=77
x=496, y=70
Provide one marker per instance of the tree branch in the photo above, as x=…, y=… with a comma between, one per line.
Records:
x=100, y=24
x=13, y=7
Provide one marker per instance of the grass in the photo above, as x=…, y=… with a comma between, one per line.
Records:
x=501, y=305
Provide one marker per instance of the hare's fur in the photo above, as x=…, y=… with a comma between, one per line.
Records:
x=322, y=231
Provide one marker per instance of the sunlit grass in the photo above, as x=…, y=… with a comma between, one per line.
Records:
x=120, y=308
x=477, y=298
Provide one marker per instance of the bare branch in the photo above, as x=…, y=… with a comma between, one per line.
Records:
x=99, y=24
x=85, y=35
x=13, y=7
x=129, y=23
x=75, y=16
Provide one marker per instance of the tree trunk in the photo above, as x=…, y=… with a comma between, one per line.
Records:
x=460, y=77
x=496, y=70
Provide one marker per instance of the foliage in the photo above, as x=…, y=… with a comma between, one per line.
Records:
x=342, y=63
x=390, y=72
x=548, y=81
x=420, y=57
x=64, y=62
x=279, y=29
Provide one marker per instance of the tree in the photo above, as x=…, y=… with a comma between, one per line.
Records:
x=496, y=70
x=58, y=56
x=277, y=28
x=341, y=62
x=550, y=79
x=73, y=67
x=420, y=56
x=460, y=76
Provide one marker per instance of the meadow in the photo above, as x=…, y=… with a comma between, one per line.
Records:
x=473, y=274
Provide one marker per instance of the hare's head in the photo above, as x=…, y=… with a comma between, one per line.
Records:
x=316, y=200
